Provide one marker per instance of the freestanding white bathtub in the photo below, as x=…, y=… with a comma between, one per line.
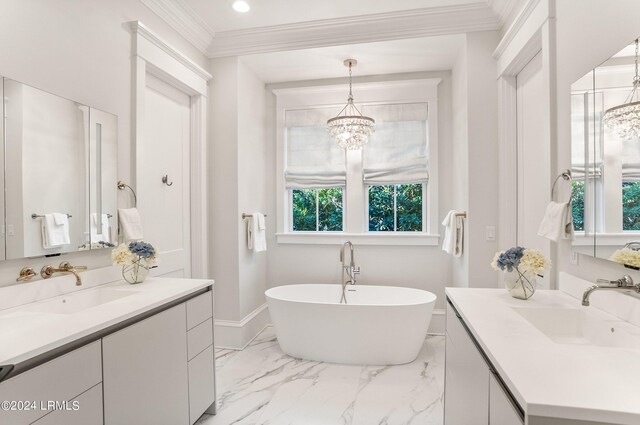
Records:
x=379, y=325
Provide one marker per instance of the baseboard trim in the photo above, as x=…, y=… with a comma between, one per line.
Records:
x=236, y=335
x=437, y=325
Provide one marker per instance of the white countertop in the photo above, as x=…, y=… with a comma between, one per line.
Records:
x=25, y=334
x=549, y=379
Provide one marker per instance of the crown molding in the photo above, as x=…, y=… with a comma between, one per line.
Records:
x=361, y=29
x=141, y=30
x=517, y=25
x=179, y=15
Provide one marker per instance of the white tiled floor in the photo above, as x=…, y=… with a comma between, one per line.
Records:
x=263, y=386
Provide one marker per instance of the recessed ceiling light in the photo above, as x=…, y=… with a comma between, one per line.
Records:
x=241, y=6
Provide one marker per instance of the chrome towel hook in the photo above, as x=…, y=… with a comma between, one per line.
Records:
x=165, y=179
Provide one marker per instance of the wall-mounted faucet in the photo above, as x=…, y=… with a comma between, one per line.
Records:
x=64, y=267
x=625, y=283
x=350, y=271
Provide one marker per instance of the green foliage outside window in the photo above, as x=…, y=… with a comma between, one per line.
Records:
x=630, y=206
x=407, y=206
x=317, y=209
x=577, y=209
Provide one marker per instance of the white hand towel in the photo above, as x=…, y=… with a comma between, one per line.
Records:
x=557, y=222
x=256, y=237
x=261, y=223
x=454, y=233
x=54, y=234
x=130, y=224
x=100, y=231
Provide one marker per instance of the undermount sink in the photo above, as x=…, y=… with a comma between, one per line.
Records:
x=78, y=301
x=575, y=326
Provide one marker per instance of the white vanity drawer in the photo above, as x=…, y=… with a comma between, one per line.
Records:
x=199, y=309
x=88, y=412
x=201, y=384
x=199, y=338
x=60, y=379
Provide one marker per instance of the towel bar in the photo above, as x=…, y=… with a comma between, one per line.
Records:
x=462, y=214
x=246, y=215
x=34, y=215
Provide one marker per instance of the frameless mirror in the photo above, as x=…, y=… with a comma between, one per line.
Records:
x=60, y=174
x=606, y=157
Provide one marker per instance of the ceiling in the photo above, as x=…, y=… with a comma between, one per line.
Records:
x=386, y=57
x=219, y=16
x=217, y=30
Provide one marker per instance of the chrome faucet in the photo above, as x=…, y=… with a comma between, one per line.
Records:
x=350, y=271
x=625, y=283
x=64, y=267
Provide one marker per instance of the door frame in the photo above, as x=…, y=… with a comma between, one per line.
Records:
x=152, y=55
x=534, y=34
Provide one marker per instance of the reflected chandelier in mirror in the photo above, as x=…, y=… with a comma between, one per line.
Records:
x=605, y=159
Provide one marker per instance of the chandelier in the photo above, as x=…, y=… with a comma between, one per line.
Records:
x=625, y=119
x=350, y=129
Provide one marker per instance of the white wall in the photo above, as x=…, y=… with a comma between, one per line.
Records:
x=483, y=155
x=252, y=186
x=223, y=156
x=423, y=267
x=475, y=157
x=459, y=174
x=239, y=158
x=80, y=50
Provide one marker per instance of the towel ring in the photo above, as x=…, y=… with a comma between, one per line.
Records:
x=566, y=176
x=122, y=185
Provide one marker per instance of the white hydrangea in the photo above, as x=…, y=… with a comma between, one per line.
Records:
x=626, y=256
x=534, y=261
x=121, y=255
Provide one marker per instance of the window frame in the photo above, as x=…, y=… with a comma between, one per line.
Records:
x=355, y=192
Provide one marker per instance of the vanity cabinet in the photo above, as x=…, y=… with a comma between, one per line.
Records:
x=145, y=371
x=474, y=393
x=150, y=378
x=64, y=379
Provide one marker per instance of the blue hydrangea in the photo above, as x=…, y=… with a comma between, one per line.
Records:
x=142, y=249
x=510, y=258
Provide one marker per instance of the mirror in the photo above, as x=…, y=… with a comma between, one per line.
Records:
x=60, y=160
x=606, y=163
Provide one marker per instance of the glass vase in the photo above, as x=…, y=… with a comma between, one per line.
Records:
x=136, y=272
x=520, y=285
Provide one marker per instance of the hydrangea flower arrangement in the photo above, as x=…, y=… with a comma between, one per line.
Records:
x=136, y=258
x=628, y=257
x=522, y=260
x=526, y=263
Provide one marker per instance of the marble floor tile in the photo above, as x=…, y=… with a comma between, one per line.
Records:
x=261, y=385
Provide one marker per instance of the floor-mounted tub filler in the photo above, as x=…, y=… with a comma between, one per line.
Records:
x=379, y=325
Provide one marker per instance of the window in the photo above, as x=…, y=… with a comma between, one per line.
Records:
x=382, y=194
x=396, y=208
x=317, y=210
x=630, y=206
x=577, y=204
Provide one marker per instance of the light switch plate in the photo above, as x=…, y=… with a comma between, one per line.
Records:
x=490, y=232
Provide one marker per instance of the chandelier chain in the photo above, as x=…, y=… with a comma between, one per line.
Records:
x=351, y=93
x=636, y=80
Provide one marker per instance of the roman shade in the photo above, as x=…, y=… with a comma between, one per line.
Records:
x=397, y=151
x=313, y=159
